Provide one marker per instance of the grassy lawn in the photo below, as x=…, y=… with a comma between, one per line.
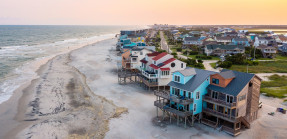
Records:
x=276, y=87
x=194, y=57
x=263, y=67
x=280, y=57
x=213, y=65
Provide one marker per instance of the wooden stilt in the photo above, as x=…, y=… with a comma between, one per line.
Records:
x=170, y=118
x=184, y=122
x=192, y=120
x=177, y=120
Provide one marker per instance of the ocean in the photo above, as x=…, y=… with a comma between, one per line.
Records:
x=23, y=47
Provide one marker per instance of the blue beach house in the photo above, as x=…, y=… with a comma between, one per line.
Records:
x=187, y=89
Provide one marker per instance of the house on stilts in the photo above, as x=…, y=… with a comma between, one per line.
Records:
x=227, y=100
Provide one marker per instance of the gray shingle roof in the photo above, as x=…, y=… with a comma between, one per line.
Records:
x=240, y=39
x=191, y=38
x=224, y=38
x=226, y=47
x=188, y=72
x=195, y=81
x=227, y=74
x=236, y=85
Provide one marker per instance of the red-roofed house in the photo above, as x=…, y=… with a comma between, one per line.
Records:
x=157, y=69
x=133, y=58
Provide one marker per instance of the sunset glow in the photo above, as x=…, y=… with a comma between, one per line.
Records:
x=135, y=12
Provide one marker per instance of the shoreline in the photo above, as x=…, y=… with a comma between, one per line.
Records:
x=20, y=122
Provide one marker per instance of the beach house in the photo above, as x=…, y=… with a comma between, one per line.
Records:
x=184, y=99
x=157, y=68
x=219, y=50
x=241, y=41
x=267, y=51
x=223, y=40
x=131, y=57
x=232, y=101
x=227, y=100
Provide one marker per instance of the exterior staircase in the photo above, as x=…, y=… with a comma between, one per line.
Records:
x=245, y=122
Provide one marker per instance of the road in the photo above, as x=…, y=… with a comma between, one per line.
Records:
x=163, y=43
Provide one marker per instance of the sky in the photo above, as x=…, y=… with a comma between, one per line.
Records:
x=143, y=12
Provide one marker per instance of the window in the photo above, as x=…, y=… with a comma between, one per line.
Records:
x=181, y=65
x=189, y=95
x=194, y=107
x=173, y=91
x=172, y=65
x=141, y=53
x=229, y=99
x=177, y=78
x=134, y=59
x=197, y=95
x=214, y=94
x=215, y=81
x=177, y=91
x=241, y=98
x=164, y=73
x=184, y=93
x=154, y=62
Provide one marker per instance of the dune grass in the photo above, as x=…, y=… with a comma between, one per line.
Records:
x=263, y=67
x=276, y=87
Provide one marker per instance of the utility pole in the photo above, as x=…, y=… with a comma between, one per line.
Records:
x=254, y=52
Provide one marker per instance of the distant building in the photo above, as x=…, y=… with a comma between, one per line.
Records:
x=283, y=49
x=231, y=34
x=187, y=41
x=224, y=40
x=267, y=51
x=267, y=41
x=240, y=41
x=219, y=50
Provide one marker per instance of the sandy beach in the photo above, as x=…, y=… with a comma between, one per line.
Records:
x=58, y=104
x=77, y=95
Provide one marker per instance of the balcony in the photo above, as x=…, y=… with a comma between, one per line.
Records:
x=219, y=102
x=165, y=106
x=221, y=115
x=270, y=51
x=177, y=99
x=149, y=83
x=149, y=75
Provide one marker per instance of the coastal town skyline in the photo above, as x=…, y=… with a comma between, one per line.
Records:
x=113, y=12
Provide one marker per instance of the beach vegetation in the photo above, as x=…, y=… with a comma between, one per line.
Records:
x=276, y=87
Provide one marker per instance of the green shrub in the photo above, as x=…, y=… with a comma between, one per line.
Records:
x=179, y=49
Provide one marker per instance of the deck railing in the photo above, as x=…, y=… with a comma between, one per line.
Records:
x=174, y=98
x=148, y=75
x=166, y=106
x=220, y=115
x=208, y=122
x=218, y=101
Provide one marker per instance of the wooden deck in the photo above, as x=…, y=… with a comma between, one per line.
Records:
x=174, y=98
x=164, y=106
x=221, y=115
x=209, y=122
x=148, y=83
x=219, y=102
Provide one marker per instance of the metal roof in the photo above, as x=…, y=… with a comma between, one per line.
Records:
x=200, y=76
x=236, y=85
